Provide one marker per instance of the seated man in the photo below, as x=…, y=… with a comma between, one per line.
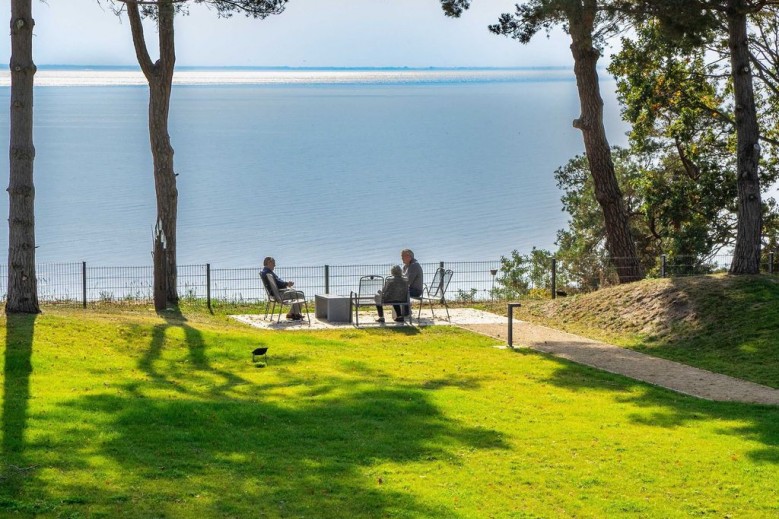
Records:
x=395, y=291
x=268, y=264
x=412, y=270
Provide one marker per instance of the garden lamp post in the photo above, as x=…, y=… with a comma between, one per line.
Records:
x=493, y=272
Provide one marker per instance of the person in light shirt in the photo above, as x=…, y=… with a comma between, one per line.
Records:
x=412, y=271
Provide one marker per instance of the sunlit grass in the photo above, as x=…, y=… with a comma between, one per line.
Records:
x=127, y=414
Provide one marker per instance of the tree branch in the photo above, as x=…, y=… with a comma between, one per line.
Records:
x=725, y=117
x=762, y=72
x=692, y=170
x=144, y=60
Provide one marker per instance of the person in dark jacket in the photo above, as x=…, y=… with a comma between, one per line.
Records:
x=395, y=291
x=268, y=264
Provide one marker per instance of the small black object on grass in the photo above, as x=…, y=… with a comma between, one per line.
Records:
x=260, y=352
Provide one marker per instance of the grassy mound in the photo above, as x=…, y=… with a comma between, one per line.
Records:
x=726, y=324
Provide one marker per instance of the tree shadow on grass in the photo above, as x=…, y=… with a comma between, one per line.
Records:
x=749, y=342
x=189, y=440
x=17, y=369
x=197, y=362
x=392, y=328
x=672, y=410
x=307, y=456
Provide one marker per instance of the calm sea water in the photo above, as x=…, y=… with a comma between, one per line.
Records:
x=312, y=167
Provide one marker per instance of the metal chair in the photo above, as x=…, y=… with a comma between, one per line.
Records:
x=366, y=294
x=395, y=302
x=288, y=297
x=268, y=295
x=436, y=291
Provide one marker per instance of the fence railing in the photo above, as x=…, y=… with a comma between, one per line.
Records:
x=472, y=280
x=589, y=273
x=83, y=283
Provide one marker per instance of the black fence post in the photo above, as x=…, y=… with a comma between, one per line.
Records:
x=208, y=285
x=84, y=284
x=554, y=278
x=441, y=266
x=662, y=266
x=327, y=279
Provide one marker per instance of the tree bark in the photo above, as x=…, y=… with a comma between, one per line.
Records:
x=619, y=241
x=746, y=256
x=22, y=281
x=160, y=78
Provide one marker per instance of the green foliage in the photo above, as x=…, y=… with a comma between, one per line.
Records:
x=683, y=134
x=688, y=24
x=679, y=175
x=455, y=8
x=224, y=8
x=520, y=272
x=465, y=296
x=599, y=19
x=681, y=130
x=582, y=258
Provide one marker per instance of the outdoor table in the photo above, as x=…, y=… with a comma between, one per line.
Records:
x=333, y=307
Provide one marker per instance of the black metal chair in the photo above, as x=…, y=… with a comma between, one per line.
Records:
x=436, y=291
x=367, y=289
x=288, y=297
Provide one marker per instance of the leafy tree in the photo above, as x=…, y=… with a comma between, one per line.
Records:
x=690, y=23
x=582, y=254
x=159, y=75
x=680, y=127
x=679, y=100
x=22, y=281
x=588, y=22
x=521, y=273
x=764, y=56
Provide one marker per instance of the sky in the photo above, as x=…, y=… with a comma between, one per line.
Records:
x=309, y=33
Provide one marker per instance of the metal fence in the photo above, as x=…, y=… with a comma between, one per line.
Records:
x=472, y=280
x=83, y=283
x=589, y=273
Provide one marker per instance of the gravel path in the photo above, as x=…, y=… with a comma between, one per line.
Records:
x=659, y=372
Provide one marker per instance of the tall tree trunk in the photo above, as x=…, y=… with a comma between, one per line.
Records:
x=619, y=241
x=746, y=256
x=160, y=78
x=22, y=281
x=167, y=194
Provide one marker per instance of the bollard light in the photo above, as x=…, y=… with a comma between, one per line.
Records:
x=493, y=272
x=511, y=307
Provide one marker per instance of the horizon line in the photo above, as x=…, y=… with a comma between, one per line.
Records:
x=291, y=67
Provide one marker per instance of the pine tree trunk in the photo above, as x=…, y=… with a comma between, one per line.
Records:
x=619, y=241
x=746, y=256
x=167, y=195
x=22, y=282
x=160, y=78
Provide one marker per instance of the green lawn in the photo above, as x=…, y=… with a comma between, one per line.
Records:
x=128, y=414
